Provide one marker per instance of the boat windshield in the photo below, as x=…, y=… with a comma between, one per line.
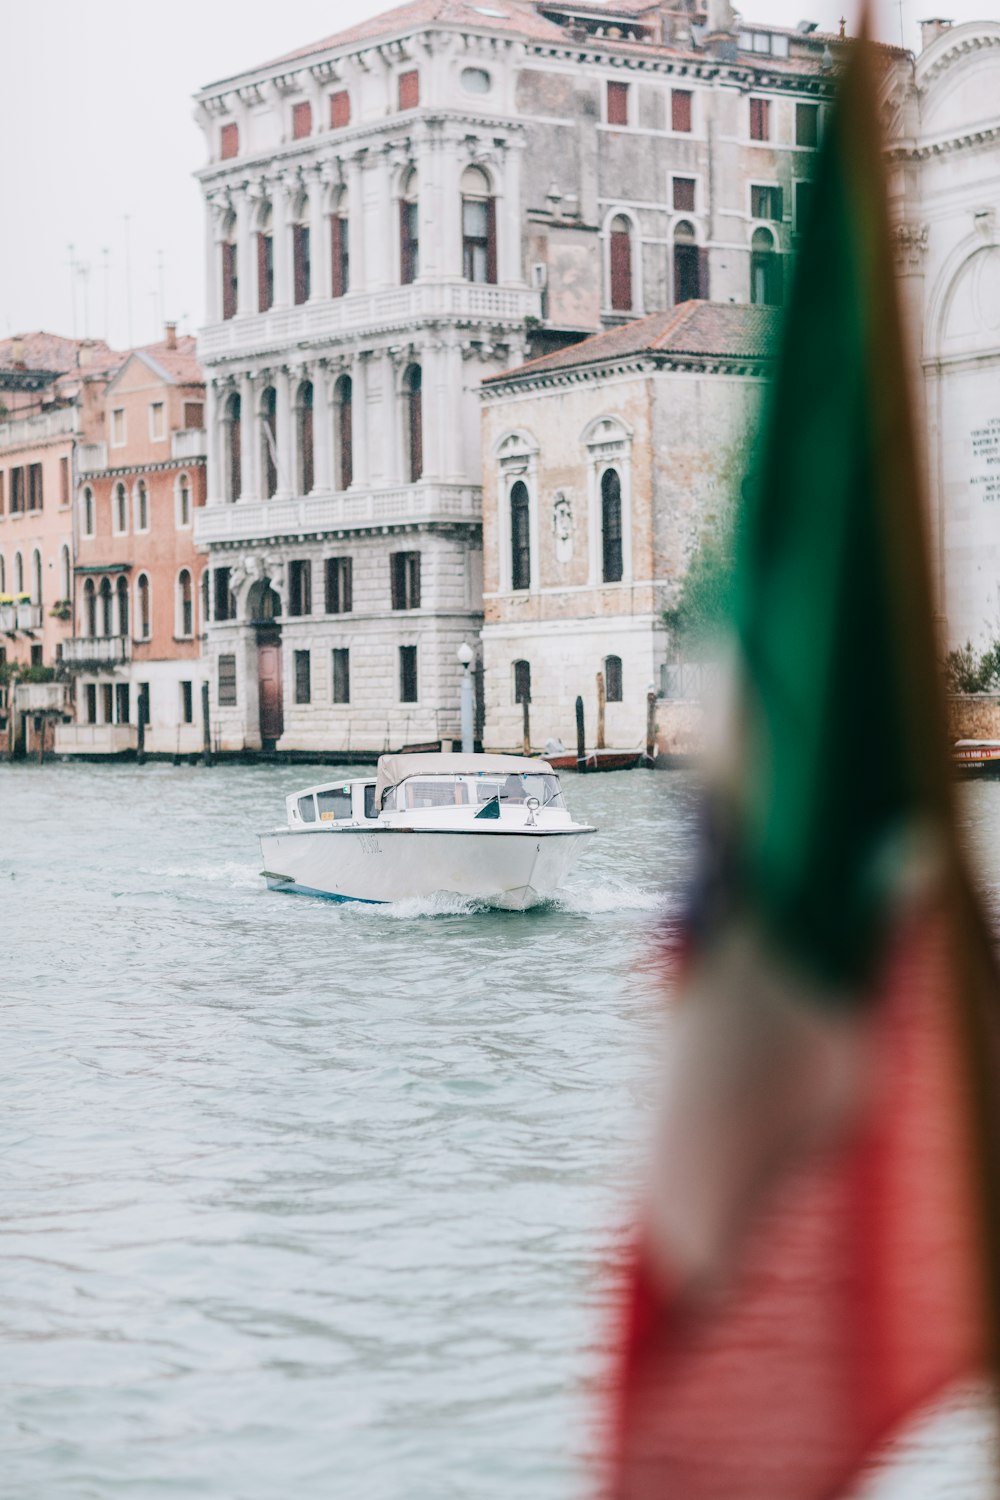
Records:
x=464, y=791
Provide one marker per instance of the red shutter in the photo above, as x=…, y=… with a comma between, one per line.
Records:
x=680, y=109
x=621, y=270
x=299, y=262
x=302, y=121
x=340, y=109
x=346, y=441
x=617, y=103
x=416, y=436
x=409, y=90
x=228, y=280
x=759, y=120
x=336, y=249
x=491, y=240
x=229, y=141
x=263, y=299
x=405, y=247
x=703, y=274
x=684, y=194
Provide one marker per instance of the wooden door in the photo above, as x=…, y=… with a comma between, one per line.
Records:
x=269, y=686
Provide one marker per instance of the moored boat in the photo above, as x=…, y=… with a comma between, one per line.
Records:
x=976, y=757
x=488, y=827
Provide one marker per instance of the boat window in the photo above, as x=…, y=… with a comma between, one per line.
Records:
x=487, y=790
x=307, y=809
x=334, y=804
x=519, y=788
x=371, y=811
x=437, y=793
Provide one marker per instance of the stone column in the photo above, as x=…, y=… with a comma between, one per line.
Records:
x=356, y=222
x=214, y=215
x=285, y=439
x=450, y=170
x=454, y=407
x=509, y=264
x=322, y=428
x=284, y=191
x=436, y=408
x=246, y=277
x=428, y=164
x=319, y=241
x=215, y=485
x=382, y=259
x=249, y=477
x=391, y=370
x=359, y=419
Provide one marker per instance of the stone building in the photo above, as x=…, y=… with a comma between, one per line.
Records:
x=393, y=214
x=945, y=175
x=139, y=600
x=603, y=466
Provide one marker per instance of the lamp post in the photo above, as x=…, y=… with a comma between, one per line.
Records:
x=466, y=714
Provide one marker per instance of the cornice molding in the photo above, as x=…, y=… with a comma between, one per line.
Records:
x=969, y=139
x=958, y=49
x=643, y=363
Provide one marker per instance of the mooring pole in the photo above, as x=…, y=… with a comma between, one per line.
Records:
x=581, y=737
x=526, y=723
x=601, y=700
x=206, y=726
x=40, y=736
x=651, y=726
x=140, y=749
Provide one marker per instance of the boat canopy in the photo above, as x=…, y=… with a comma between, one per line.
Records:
x=392, y=769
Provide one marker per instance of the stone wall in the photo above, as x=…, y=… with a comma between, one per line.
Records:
x=974, y=716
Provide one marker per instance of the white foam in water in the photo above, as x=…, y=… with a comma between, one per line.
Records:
x=230, y=872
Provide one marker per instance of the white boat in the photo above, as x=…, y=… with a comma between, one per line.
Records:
x=490, y=827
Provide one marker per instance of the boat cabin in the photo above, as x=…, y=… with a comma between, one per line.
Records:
x=333, y=802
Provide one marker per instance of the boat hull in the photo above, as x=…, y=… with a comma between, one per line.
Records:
x=509, y=869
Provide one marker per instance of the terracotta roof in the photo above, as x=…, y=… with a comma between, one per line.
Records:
x=517, y=16
x=51, y=351
x=725, y=330
x=180, y=364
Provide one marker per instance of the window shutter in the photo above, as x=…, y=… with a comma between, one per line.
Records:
x=405, y=257
x=680, y=110
x=228, y=280
x=621, y=270
x=409, y=90
x=491, y=240
x=617, y=103
x=336, y=246
x=414, y=580
x=395, y=576
x=263, y=300
x=229, y=141
x=302, y=121
x=340, y=109
x=703, y=274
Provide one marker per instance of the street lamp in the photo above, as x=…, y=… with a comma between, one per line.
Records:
x=466, y=655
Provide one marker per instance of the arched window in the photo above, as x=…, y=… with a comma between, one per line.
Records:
x=520, y=537
x=141, y=506
x=234, y=448
x=183, y=500
x=229, y=269
x=87, y=509
x=765, y=269
x=265, y=260
x=620, y=264
x=120, y=509
x=301, y=255
x=340, y=248
x=344, y=434
x=36, y=577
x=269, y=440
x=479, y=227
x=185, y=604
x=65, y=575
x=121, y=589
x=18, y=573
x=205, y=597
x=142, y=606
x=304, y=437
x=522, y=682
x=89, y=608
x=107, y=607
x=413, y=414
x=613, y=679
x=409, y=230
x=611, y=526
x=687, y=279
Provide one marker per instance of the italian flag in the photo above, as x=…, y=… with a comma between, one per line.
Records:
x=819, y=1253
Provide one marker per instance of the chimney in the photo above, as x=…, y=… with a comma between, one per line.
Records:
x=931, y=30
x=17, y=354
x=85, y=353
x=171, y=335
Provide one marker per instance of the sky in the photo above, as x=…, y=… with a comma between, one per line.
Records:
x=102, y=230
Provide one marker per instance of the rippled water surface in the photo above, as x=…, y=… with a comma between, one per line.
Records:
x=313, y=1200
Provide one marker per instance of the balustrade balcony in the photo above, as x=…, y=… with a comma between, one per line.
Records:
x=251, y=520
x=29, y=616
x=104, y=649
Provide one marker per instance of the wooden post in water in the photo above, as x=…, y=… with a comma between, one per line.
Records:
x=40, y=736
x=140, y=749
x=526, y=723
x=651, y=726
x=206, y=727
x=581, y=737
x=601, y=699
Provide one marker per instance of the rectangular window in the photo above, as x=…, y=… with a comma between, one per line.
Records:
x=227, y=681
x=680, y=110
x=16, y=490
x=409, y=89
x=341, y=255
x=63, y=484
x=107, y=703
x=338, y=600
x=807, y=125
x=409, y=242
x=157, y=421
x=802, y=195
x=222, y=600
x=341, y=674
x=620, y=254
x=34, y=486
x=36, y=655
x=300, y=587
x=91, y=702
x=187, y=703
x=122, y=706
x=760, y=120
x=194, y=415
x=265, y=272
x=230, y=288
x=302, y=676
x=1, y=491
x=405, y=580
x=766, y=203
x=229, y=142
x=302, y=121
x=118, y=427
x=617, y=104
x=301, y=263
x=684, y=195
x=340, y=109
x=407, y=674
x=479, y=240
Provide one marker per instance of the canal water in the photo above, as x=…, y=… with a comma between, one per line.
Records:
x=316, y=1200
